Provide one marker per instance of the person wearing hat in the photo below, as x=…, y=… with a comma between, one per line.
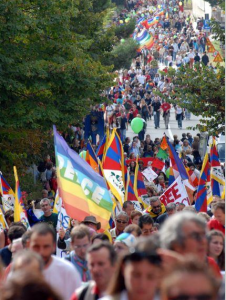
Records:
x=124, y=243
x=91, y=222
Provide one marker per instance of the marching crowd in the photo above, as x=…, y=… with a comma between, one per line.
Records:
x=162, y=252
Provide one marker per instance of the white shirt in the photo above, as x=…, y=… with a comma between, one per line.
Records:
x=191, y=55
x=63, y=277
x=141, y=79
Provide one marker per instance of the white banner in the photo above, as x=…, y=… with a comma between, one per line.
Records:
x=149, y=174
x=175, y=193
x=8, y=202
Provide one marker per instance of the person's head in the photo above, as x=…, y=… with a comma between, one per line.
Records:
x=190, y=279
x=185, y=143
x=155, y=205
x=44, y=194
x=15, y=232
x=25, y=240
x=161, y=179
x=23, y=285
x=102, y=260
x=135, y=215
x=204, y=216
x=216, y=250
x=45, y=206
x=100, y=237
x=133, y=229
x=218, y=210
x=27, y=260
x=80, y=240
x=215, y=199
x=180, y=206
x=146, y=225
x=9, y=216
x=190, y=208
x=16, y=246
x=185, y=233
x=171, y=209
x=139, y=274
x=122, y=220
x=128, y=207
x=91, y=222
x=124, y=243
x=42, y=241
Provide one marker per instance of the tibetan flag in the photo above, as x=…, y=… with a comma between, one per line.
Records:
x=216, y=174
x=101, y=147
x=83, y=191
x=179, y=170
x=7, y=194
x=202, y=191
x=138, y=184
x=5, y=188
x=194, y=179
x=162, y=150
x=20, y=214
x=113, y=166
x=3, y=223
x=91, y=158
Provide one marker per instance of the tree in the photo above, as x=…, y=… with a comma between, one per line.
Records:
x=124, y=53
x=202, y=92
x=49, y=73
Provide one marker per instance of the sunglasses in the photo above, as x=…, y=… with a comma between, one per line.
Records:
x=157, y=206
x=195, y=297
x=121, y=222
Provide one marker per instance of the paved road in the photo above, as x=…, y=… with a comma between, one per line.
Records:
x=173, y=127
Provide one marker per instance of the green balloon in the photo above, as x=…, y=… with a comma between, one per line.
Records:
x=167, y=172
x=82, y=154
x=142, y=15
x=137, y=125
x=122, y=40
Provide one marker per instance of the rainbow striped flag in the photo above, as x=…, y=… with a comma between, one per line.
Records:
x=20, y=214
x=84, y=192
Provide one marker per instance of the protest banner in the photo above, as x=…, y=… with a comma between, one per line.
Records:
x=175, y=193
x=149, y=174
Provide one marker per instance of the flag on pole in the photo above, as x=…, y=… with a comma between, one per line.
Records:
x=216, y=174
x=162, y=150
x=179, y=170
x=91, y=158
x=113, y=166
x=7, y=194
x=202, y=191
x=101, y=148
x=138, y=185
x=3, y=223
x=20, y=214
x=83, y=191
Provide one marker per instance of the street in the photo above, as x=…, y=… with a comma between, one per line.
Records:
x=173, y=127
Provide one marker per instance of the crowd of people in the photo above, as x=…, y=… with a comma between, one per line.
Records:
x=167, y=252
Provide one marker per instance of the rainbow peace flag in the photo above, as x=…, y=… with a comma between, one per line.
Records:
x=84, y=192
x=20, y=214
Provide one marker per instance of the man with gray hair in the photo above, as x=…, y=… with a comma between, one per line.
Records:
x=48, y=216
x=156, y=208
x=185, y=233
x=121, y=221
x=170, y=210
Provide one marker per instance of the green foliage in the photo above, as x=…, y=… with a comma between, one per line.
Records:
x=124, y=53
x=218, y=33
x=125, y=30
x=215, y=3
x=202, y=92
x=50, y=69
